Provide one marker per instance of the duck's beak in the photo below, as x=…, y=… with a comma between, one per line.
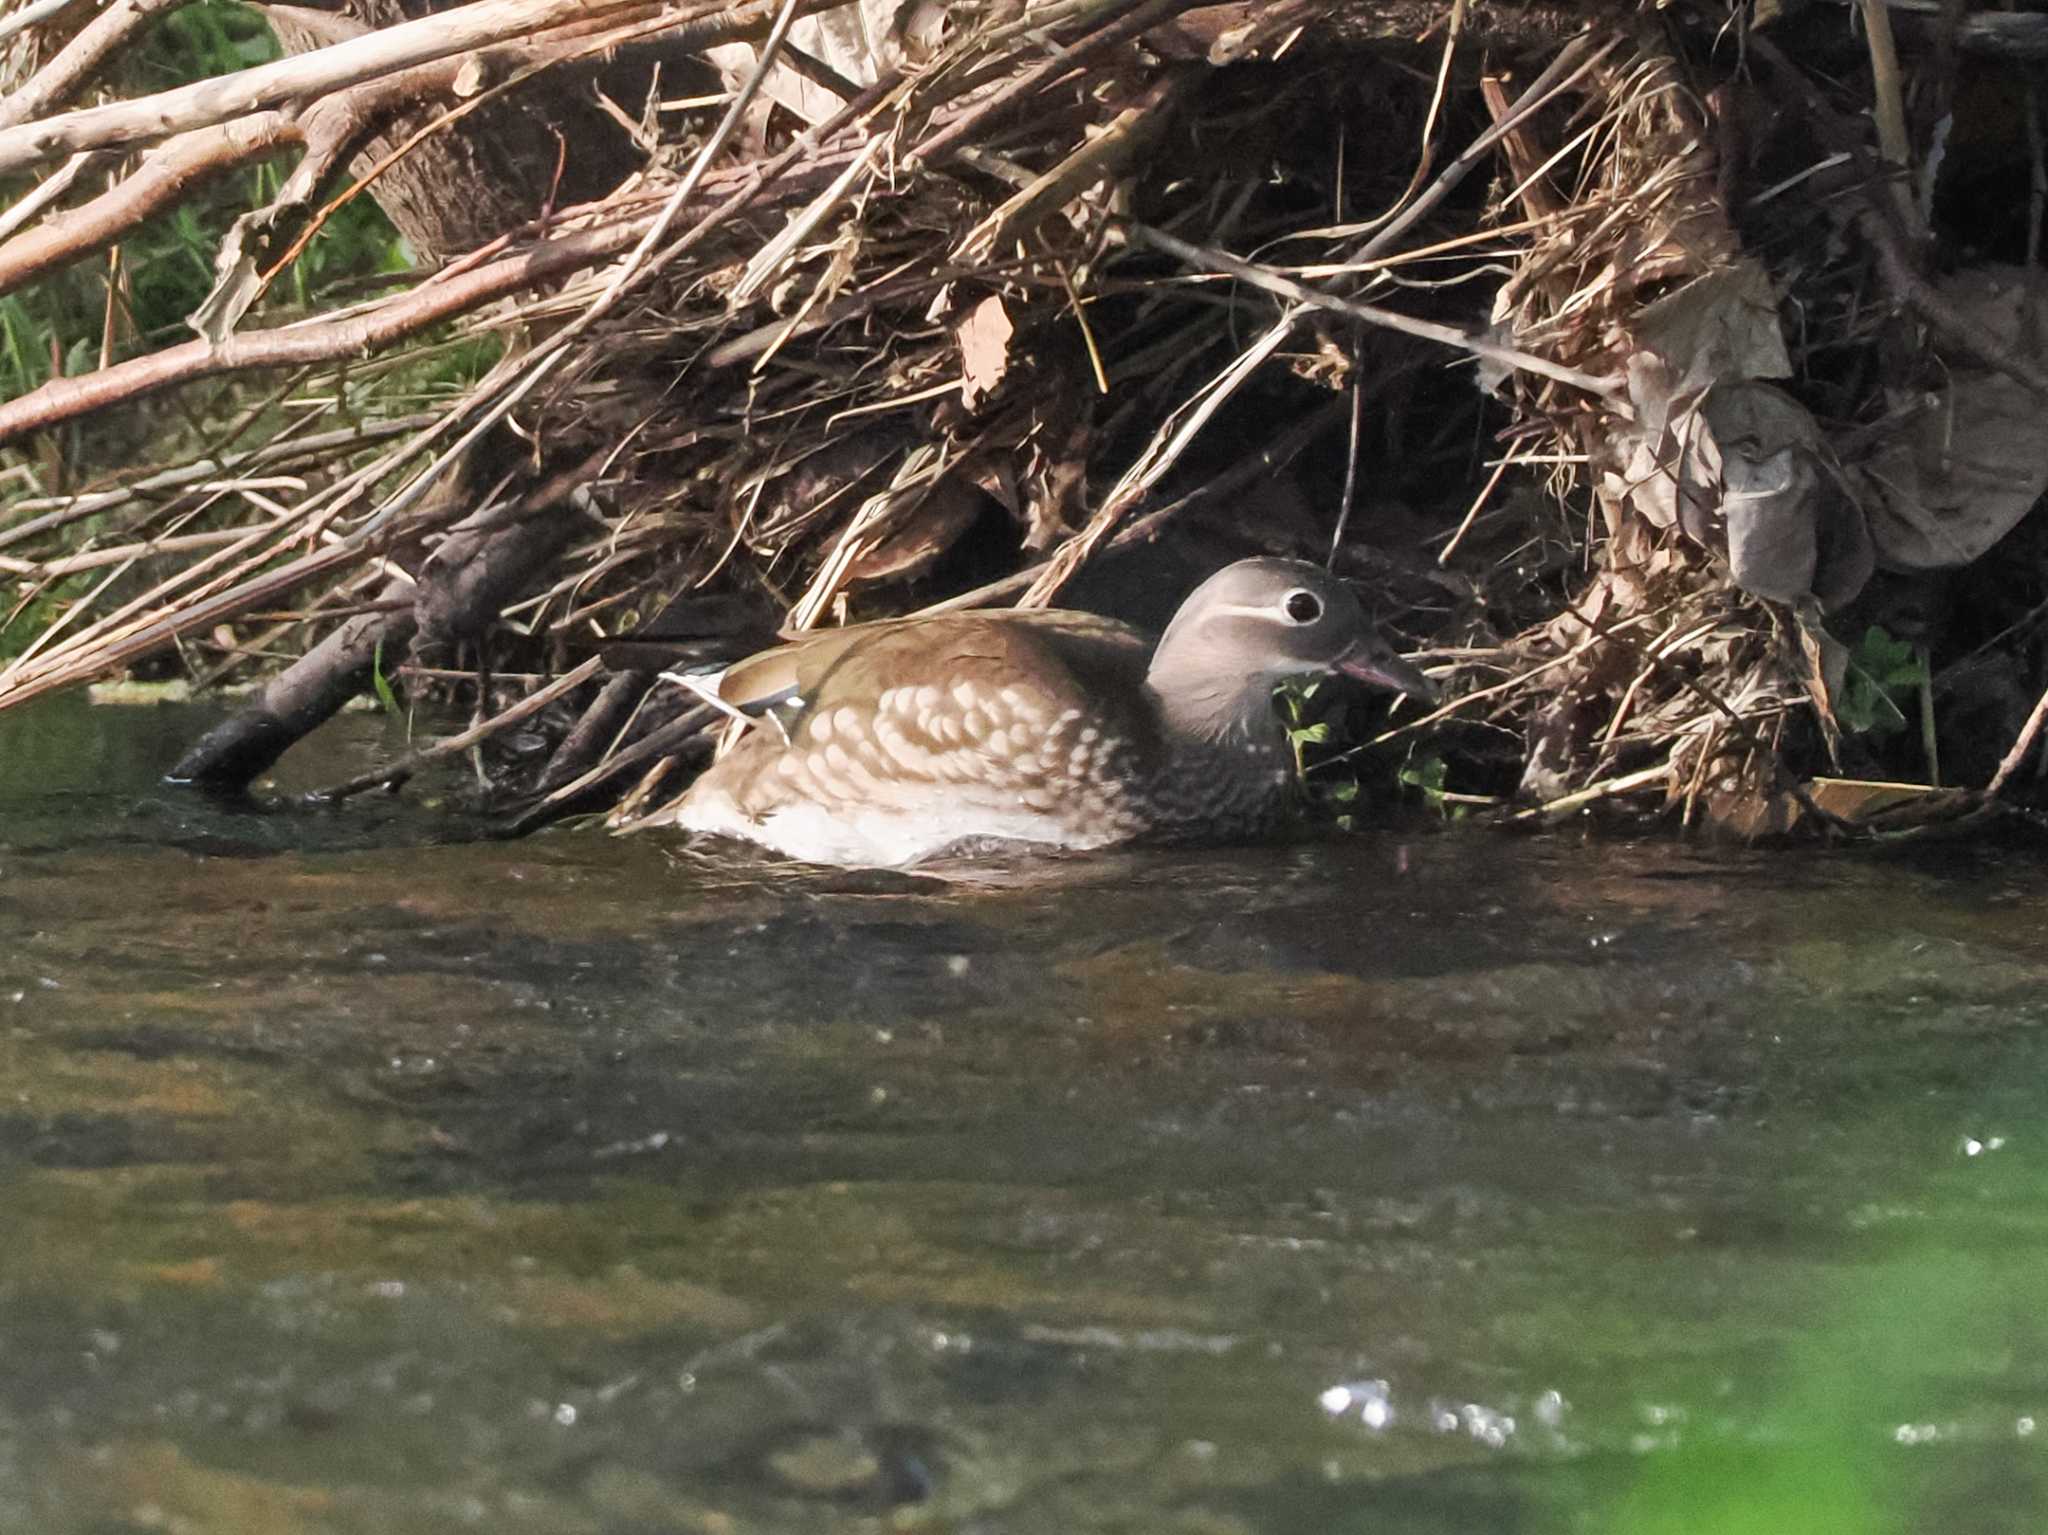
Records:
x=1372, y=662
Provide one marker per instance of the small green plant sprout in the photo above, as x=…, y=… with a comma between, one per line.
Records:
x=1306, y=725
x=1424, y=772
x=381, y=681
x=1882, y=671
x=1313, y=726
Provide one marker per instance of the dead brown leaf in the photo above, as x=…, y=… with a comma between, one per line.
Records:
x=984, y=340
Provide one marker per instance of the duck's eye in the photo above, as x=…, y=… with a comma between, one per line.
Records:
x=1303, y=607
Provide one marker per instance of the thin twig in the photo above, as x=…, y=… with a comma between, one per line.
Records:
x=32, y=14
x=1606, y=788
x=2010, y=763
x=1571, y=65
x=307, y=76
x=668, y=739
x=1387, y=319
x=1350, y=465
x=1786, y=781
x=1148, y=14
x=394, y=773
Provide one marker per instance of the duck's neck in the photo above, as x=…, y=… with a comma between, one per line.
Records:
x=1216, y=711
x=1226, y=770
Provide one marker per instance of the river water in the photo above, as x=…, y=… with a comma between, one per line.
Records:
x=361, y=1175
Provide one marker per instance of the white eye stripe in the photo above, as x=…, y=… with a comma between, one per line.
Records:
x=1239, y=610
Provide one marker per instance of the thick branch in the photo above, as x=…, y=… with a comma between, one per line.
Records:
x=329, y=129
x=306, y=694
x=63, y=399
x=159, y=183
x=31, y=13
x=459, y=593
x=78, y=61
x=332, y=129
x=306, y=76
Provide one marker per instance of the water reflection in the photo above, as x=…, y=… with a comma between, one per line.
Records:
x=361, y=1180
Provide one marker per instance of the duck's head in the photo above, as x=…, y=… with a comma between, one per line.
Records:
x=1263, y=622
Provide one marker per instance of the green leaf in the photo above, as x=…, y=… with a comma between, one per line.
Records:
x=1882, y=670
x=1427, y=773
x=385, y=693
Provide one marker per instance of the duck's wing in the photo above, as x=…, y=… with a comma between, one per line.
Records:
x=1056, y=652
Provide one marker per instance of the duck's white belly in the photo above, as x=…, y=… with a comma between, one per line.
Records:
x=881, y=836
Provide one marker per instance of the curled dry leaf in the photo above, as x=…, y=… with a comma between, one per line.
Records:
x=1791, y=531
x=984, y=341
x=1973, y=459
x=1723, y=325
x=856, y=42
x=1733, y=462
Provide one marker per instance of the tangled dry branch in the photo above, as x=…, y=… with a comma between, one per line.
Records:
x=938, y=304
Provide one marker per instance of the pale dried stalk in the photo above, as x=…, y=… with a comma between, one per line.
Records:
x=31, y=13
x=116, y=637
x=47, y=514
x=1607, y=788
x=145, y=637
x=158, y=183
x=394, y=773
x=1164, y=451
x=1601, y=387
x=2023, y=744
x=51, y=189
x=78, y=61
x=1890, y=109
x=302, y=78
x=1520, y=680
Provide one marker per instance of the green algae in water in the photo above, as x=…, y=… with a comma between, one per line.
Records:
x=357, y=1183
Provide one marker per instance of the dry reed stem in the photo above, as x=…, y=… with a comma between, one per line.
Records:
x=2016, y=755
x=816, y=316
x=1600, y=386
x=1592, y=794
x=394, y=773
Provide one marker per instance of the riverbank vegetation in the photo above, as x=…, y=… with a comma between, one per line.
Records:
x=1671, y=375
